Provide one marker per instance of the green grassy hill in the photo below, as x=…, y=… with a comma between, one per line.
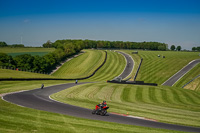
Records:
x=81, y=66
x=165, y=104
x=6, y=73
x=85, y=64
x=113, y=67
x=156, y=69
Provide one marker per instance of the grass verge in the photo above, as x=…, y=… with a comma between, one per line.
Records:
x=165, y=104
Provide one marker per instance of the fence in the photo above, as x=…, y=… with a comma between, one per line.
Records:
x=190, y=81
x=138, y=69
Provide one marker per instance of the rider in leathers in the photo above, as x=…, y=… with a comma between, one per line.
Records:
x=100, y=106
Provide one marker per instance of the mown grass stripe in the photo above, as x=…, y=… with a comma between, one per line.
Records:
x=152, y=95
x=81, y=66
x=125, y=94
x=113, y=67
x=139, y=97
x=176, y=97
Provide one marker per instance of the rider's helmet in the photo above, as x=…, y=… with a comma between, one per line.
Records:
x=104, y=102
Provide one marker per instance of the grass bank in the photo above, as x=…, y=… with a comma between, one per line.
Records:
x=81, y=66
x=6, y=73
x=113, y=67
x=165, y=104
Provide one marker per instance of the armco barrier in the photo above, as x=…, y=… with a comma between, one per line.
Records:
x=20, y=79
x=133, y=82
x=190, y=81
x=138, y=70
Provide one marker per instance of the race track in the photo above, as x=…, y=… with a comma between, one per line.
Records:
x=129, y=65
x=40, y=99
x=171, y=81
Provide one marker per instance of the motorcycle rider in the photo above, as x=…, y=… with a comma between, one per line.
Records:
x=100, y=106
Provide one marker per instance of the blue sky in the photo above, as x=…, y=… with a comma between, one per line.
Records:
x=35, y=21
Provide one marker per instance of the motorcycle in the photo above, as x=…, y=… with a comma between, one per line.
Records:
x=101, y=111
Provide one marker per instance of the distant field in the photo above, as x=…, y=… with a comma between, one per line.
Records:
x=194, y=85
x=156, y=69
x=31, y=53
x=81, y=66
x=165, y=104
x=14, y=118
x=5, y=73
x=19, y=51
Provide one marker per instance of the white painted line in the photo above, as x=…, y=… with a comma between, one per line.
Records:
x=11, y=102
x=55, y=100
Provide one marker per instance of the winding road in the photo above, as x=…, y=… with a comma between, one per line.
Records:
x=40, y=99
x=129, y=65
x=171, y=81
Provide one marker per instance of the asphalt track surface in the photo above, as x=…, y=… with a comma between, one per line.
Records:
x=129, y=65
x=40, y=99
x=171, y=81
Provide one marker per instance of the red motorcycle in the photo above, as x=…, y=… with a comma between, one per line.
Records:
x=100, y=110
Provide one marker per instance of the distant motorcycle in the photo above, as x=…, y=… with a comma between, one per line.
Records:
x=101, y=111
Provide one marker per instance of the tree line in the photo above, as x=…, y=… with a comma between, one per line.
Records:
x=4, y=44
x=64, y=49
x=37, y=63
x=196, y=49
x=173, y=48
x=109, y=44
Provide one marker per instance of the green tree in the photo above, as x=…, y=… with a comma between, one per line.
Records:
x=162, y=48
x=24, y=61
x=198, y=48
x=178, y=48
x=173, y=48
x=17, y=45
x=3, y=44
x=48, y=44
x=37, y=62
x=193, y=48
x=6, y=60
